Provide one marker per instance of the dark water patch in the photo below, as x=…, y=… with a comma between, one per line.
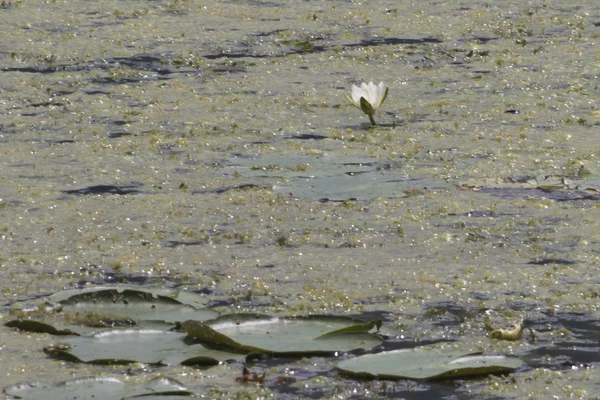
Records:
x=223, y=70
x=266, y=266
x=395, y=41
x=520, y=305
x=115, y=135
x=546, y=128
x=301, y=49
x=184, y=171
x=523, y=193
x=178, y=243
x=40, y=69
x=220, y=303
x=106, y=189
x=168, y=148
x=203, y=290
x=327, y=200
x=95, y=92
x=386, y=316
x=449, y=313
x=118, y=122
x=409, y=343
x=481, y=296
x=46, y=104
x=549, y=261
x=112, y=80
x=269, y=33
x=479, y=39
x=235, y=55
x=566, y=341
x=221, y=190
x=156, y=62
x=59, y=141
x=290, y=386
x=144, y=61
x=306, y=136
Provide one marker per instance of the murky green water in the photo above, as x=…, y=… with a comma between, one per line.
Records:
x=187, y=143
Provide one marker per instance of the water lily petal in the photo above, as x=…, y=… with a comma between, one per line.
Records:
x=370, y=93
x=357, y=93
x=382, y=92
x=351, y=101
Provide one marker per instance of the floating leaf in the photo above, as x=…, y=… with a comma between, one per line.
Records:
x=126, y=346
x=555, y=187
x=29, y=325
x=161, y=386
x=333, y=178
x=98, y=388
x=133, y=303
x=294, y=336
x=427, y=362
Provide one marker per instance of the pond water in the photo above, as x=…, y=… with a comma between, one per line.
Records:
x=209, y=146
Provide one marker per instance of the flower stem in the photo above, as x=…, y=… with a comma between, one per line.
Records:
x=372, y=119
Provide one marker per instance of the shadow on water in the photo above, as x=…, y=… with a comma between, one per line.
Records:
x=157, y=62
x=290, y=47
x=97, y=190
x=560, y=341
x=566, y=341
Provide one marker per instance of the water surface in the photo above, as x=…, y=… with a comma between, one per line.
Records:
x=178, y=144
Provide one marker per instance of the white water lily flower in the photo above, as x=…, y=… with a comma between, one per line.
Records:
x=368, y=98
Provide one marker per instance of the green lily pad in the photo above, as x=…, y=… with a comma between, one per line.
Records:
x=92, y=323
x=135, y=304
x=293, y=336
x=427, y=362
x=98, y=388
x=127, y=346
x=29, y=325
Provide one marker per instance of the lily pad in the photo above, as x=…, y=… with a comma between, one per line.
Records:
x=293, y=336
x=98, y=388
x=136, y=304
x=332, y=178
x=127, y=346
x=427, y=362
x=555, y=187
x=29, y=325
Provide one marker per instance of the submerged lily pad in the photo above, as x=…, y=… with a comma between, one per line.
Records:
x=98, y=388
x=294, y=336
x=555, y=187
x=136, y=303
x=127, y=346
x=332, y=178
x=427, y=362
